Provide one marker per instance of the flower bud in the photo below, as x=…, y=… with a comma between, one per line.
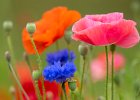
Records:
x=7, y=26
x=72, y=84
x=31, y=28
x=8, y=56
x=12, y=90
x=83, y=49
x=36, y=74
x=68, y=36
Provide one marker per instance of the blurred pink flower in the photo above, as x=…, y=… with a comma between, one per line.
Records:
x=98, y=65
x=106, y=29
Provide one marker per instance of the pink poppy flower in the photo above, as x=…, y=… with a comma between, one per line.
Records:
x=106, y=29
x=98, y=65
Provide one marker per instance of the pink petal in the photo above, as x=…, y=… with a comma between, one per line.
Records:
x=130, y=40
x=82, y=24
x=106, y=18
x=79, y=29
x=117, y=30
x=98, y=34
x=82, y=37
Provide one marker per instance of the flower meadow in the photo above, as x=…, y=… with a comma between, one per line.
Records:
x=66, y=52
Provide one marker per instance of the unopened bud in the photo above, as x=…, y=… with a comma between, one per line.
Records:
x=12, y=90
x=36, y=74
x=83, y=49
x=68, y=36
x=7, y=26
x=8, y=56
x=31, y=28
x=72, y=84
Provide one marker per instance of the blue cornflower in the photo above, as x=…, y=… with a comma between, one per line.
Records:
x=62, y=56
x=60, y=66
x=58, y=72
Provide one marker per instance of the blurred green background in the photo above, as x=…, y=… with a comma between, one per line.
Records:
x=23, y=11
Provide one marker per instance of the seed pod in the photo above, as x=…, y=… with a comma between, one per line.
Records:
x=83, y=49
x=36, y=74
x=8, y=56
x=7, y=26
x=72, y=84
x=68, y=36
x=31, y=28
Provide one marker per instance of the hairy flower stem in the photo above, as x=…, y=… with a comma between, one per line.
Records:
x=112, y=49
x=37, y=90
x=17, y=80
x=82, y=78
x=112, y=76
x=106, y=51
x=11, y=48
x=39, y=64
x=68, y=46
x=43, y=87
x=64, y=90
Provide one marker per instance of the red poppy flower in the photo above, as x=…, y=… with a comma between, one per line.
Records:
x=27, y=83
x=50, y=27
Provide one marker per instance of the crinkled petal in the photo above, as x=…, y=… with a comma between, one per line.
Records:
x=106, y=18
x=118, y=30
x=80, y=30
x=130, y=40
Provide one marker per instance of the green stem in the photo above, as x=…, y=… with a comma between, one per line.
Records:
x=64, y=90
x=57, y=45
x=37, y=90
x=43, y=87
x=68, y=46
x=37, y=54
x=11, y=48
x=112, y=76
x=112, y=48
x=82, y=78
x=72, y=95
x=39, y=64
x=18, y=82
x=106, y=51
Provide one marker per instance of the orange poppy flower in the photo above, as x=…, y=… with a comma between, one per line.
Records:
x=50, y=27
